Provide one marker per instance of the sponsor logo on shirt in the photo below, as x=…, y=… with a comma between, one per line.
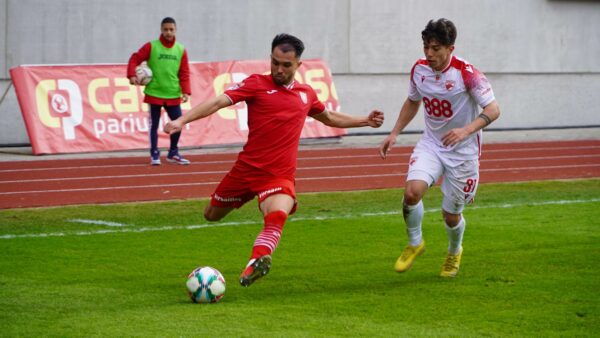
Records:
x=272, y=91
x=167, y=57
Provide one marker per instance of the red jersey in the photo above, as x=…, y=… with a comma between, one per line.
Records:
x=276, y=116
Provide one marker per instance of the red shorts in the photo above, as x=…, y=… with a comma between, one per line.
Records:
x=237, y=189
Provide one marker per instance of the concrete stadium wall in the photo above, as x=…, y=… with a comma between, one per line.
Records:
x=538, y=54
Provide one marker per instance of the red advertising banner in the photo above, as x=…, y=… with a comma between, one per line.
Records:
x=89, y=108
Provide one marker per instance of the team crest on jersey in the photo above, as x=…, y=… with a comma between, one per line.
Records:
x=303, y=97
x=449, y=84
x=422, y=78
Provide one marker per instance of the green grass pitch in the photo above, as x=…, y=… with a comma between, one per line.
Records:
x=531, y=267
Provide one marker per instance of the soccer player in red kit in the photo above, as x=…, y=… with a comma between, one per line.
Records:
x=266, y=167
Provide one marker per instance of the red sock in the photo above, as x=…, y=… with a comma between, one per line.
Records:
x=267, y=240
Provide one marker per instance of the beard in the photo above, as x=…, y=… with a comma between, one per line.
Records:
x=281, y=80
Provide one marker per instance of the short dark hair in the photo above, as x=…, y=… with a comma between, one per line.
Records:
x=287, y=42
x=168, y=19
x=441, y=30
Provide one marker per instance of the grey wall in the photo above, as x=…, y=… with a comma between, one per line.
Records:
x=540, y=55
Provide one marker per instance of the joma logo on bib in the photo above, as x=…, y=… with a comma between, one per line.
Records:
x=167, y=57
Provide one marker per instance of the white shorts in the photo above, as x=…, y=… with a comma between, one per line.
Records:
x=460, y=179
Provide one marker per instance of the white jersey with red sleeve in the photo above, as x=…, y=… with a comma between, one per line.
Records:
x=451, y=99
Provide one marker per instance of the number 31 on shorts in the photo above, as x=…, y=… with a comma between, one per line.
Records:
x=469, y=189
x=470, y=186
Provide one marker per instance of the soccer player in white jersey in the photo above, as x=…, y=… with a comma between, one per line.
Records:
x=452, y=90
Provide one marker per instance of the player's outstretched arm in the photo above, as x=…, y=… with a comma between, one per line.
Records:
x=341, y=120
x=407, y=113
x=200, y=111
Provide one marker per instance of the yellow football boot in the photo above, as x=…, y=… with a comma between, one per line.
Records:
x=451, y=265
x=408, y=256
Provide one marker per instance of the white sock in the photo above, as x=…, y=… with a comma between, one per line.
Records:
x=413, y=215
x=455, y=236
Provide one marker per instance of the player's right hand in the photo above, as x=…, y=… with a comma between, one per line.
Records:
x=134, y=81
x=173, y=127
x=386, y=145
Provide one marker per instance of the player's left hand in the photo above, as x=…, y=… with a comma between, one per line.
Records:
x=375, y=119
x=454, y=136
x=185, y=98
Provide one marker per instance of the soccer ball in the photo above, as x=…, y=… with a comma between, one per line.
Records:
x=205, y=285
x=143, y=74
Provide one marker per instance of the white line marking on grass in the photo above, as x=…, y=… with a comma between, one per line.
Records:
x=97, y=222
x=295, y=219
x=127, y=230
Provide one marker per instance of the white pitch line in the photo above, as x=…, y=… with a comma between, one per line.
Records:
x=293, y=219
x=97, y=222
x=165, y=186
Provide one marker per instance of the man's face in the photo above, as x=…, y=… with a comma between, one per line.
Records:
x=437, y=55
x=283, y=66
x=168, y=31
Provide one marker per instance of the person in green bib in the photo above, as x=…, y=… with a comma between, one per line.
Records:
x=169, y=87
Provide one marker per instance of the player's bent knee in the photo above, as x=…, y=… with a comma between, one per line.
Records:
x=451, y=220
x=414, y=192
x=411, y=197
x=211, y=215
